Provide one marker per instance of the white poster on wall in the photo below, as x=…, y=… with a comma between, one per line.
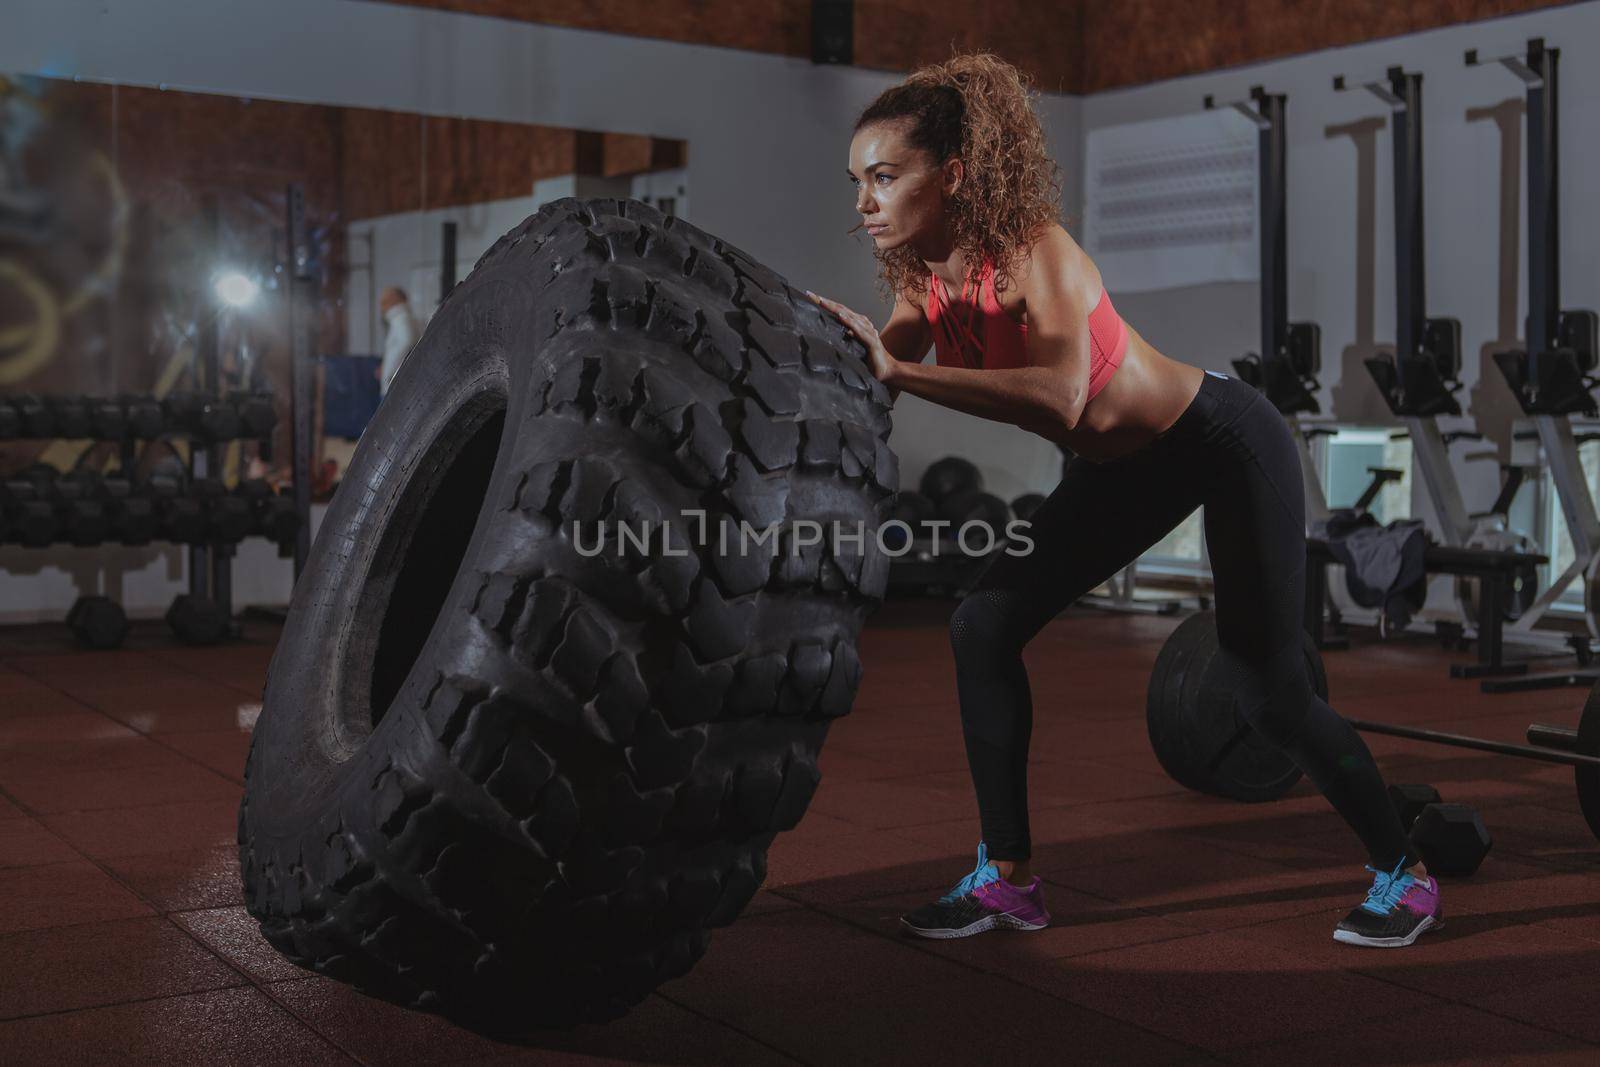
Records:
x=1173, y=202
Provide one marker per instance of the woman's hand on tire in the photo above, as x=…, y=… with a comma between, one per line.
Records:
x=884, y=367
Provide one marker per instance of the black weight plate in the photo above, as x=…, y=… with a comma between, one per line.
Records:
x=1167, y=738
x=1588, y=778
x=1197, y=733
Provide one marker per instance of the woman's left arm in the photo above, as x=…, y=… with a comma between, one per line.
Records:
x=1034, y=398
x=1050, y=392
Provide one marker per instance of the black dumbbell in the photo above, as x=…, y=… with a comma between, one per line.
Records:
x=30, y=520
x=132, y=512
x=275, y=516
x=145, y=418
x=38, y=420
x=98, y=622
x=206, y=417
x=257, y=413
x=182, y=517
x=41, y=475
x=182, y=411
x=10, y=421
x=71, y=415
x=80, y=516
x=278, y=520
x=1409, y=800
x=108, y=419
x=1451, y=838
x=229, y=518
x=219, y=421
x=80, y=500
x=197, y=620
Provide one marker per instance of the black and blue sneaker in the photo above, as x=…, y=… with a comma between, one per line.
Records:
x=983, y=900
x=1398, y=908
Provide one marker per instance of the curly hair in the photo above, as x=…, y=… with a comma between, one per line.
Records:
x=978, y=107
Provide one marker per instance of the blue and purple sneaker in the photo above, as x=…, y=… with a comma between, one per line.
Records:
x=981, y=901
x=1398, y=908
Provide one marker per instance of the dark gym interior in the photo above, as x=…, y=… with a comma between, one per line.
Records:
x=226, y=520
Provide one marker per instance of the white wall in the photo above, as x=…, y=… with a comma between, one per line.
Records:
x=768, y=136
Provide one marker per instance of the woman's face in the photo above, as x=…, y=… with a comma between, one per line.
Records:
x=900, y=192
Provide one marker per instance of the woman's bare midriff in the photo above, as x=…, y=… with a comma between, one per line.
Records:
x=1144, y=397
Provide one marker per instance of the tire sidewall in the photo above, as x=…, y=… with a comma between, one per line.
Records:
x=314, y=704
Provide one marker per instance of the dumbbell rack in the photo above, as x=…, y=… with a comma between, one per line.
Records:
x=75, y=506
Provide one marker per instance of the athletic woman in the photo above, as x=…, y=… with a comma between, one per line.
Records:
x=955, y=188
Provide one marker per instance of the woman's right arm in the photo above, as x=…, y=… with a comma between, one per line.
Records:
x=907, y=335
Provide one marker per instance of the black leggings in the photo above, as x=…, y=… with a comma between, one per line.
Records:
x=1232, y=453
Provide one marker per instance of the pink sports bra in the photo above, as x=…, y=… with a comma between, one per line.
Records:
x=1003, y=341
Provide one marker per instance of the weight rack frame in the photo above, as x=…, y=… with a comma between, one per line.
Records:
x=211, y=564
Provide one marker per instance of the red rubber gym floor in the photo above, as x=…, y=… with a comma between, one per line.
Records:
x=1187, y=929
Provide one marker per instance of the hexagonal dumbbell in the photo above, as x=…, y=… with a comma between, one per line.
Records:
x=182, y=517
x=30, y=520
x=80, y=516
x=257, y=412
x=38, y=420
x=145, y=418
x=229, y=518
x=71, y=416
x=98, y=622
x=208, y=418
x=197, y=620
x=1451, y=838
x=134, y=520
x=1409, y=800
x=275, y=515
x=108, y=419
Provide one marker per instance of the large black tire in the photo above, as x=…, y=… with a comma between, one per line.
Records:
x=517, y=785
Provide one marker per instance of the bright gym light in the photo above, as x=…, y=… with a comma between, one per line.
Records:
x=236, y=290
